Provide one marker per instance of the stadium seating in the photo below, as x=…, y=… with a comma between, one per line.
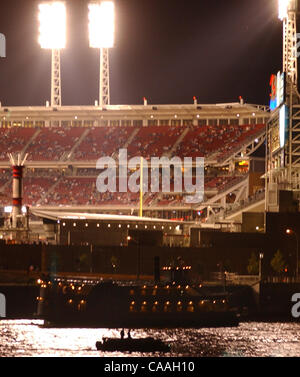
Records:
x=102, y=141
x=51, y=144
x=78, y=187
x=203, y=141
x=154, y=141
x=34, y=188
x=83, y=191
x=13, y=140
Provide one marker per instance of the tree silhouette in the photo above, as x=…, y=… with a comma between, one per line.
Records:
x=253, y=265
x=277, y=262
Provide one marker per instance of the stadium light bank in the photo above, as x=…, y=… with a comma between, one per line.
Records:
x=139, y=167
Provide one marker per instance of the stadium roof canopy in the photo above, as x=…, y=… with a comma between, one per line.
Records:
x=52, y=215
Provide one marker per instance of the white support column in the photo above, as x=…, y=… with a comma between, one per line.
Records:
x=104, y=93
x=55, y=79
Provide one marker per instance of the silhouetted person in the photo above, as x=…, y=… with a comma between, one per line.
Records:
x=122, y=334
x=128, y=334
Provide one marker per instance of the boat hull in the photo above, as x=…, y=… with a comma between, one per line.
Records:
x=115, y=306
x=132, y=345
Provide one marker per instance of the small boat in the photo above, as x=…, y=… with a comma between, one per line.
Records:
x=132, y=345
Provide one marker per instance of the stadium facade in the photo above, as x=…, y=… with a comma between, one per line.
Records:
x=63, y=144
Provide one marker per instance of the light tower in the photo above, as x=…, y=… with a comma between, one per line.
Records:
x=289, y=130
x=283, y=128
x=52, y=17
x=287, y=13
x=101, y=32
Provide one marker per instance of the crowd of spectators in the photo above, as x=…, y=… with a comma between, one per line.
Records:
x=102, y=141
x=51, y=144
x=203, y=141
x=13, y=140
x=154, y=141
x=71, y=186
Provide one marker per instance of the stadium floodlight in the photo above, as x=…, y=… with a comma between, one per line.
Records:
x=52, y=35
x=283, y=6
x=101, y=34
x=102, y=24
x=52, y=17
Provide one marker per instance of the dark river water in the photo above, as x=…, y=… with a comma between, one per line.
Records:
x=20, y=338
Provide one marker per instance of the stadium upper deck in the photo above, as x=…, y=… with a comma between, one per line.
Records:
x=53, y=137
x=64, y=143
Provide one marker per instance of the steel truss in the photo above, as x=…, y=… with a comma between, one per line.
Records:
x=104, y=92
x=283, y=163
x=245, y=151
x=216, y=205
x=55, y=79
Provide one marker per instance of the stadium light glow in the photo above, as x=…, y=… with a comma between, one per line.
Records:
x=52, y=18
x=283, y=6
x=102, y=24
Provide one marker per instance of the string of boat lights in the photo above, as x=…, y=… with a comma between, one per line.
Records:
x=68, y=286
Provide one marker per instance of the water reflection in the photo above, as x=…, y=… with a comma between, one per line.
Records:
x=30, y=338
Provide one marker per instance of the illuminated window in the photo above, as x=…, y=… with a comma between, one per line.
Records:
x=175, y=122
x=213, y=122
x=115, y=123
x=164, y=122
x=187, y=122
x=167, y=307
x=81, y=306
x=202, y=122
x=155, y=307
x=132, y=307
x=137, y=123
x=144, y=306
x=190, y=307
x=223, y=122
x=126, y=122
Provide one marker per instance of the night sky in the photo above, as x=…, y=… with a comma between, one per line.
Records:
x=165, y=50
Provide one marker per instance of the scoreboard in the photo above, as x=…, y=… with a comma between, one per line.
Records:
x=277, y=95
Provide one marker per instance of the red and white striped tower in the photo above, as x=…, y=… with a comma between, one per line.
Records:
x=17, y=189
